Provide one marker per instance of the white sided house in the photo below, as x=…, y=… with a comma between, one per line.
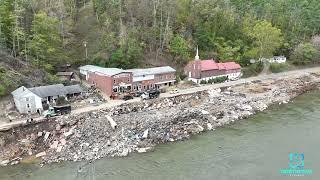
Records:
x=32, y=100
x=275, y=59
x=278, y=59
x=26, y=101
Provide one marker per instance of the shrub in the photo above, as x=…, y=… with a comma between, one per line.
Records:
x=203, y=82
x=52, y=79
x=2, y=90
x=252, y=70
x=220, y=79
x=61, y=101
x=276, y=67
x=304, y=53
x=2, y=70
x=182, y=76
x=210, y=81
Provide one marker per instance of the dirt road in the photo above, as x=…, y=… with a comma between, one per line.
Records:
x=113, y=103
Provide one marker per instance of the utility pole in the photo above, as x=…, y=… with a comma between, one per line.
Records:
x=86, y=50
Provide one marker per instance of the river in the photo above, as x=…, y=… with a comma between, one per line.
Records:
x=252, y=149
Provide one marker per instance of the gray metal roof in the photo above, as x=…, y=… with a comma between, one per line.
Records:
x=106, y=71
x=65, y=73
x=51, y=90
x=20, y=92
x=74, y=89
x=151, y=71
x=136, y=72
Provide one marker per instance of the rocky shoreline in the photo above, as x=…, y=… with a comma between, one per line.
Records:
x=139, y=127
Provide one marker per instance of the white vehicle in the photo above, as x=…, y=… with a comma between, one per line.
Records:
x=175, y=91
x=150, y=94
x=144, y=96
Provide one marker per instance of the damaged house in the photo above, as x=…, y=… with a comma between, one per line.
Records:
x=116, y=81
x=34, y=100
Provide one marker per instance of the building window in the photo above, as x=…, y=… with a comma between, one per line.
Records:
x=128, y=80
x=28, y=105
x=27, y=99
x=114, y=81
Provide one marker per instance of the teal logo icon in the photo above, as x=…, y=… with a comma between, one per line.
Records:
x=296, y=161
x=296, y=166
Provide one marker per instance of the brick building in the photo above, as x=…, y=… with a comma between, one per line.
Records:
x=115, y=81
x=153, y=78
x=199, y=70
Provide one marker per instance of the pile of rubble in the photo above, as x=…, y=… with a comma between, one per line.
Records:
x=139, y=126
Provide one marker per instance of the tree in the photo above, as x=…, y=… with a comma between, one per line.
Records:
x=180, y=49
x=127, y=56
x=6, y=22
x=46, y=43
x=305, y=53
x=266, y=39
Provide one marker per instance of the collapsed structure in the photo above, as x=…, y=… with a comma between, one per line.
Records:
x=114, y=80
x=198, y=70
x=34, y=100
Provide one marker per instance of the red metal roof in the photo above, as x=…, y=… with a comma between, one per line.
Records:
x=208, y=65
x=212, y=65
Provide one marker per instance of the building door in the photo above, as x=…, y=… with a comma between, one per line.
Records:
x=189, y=74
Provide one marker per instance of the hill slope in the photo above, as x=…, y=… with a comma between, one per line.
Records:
x=15, y=73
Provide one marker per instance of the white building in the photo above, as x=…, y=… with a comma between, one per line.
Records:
x=275, y=59
x=31, y=100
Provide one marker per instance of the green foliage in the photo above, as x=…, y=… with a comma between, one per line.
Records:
x=61, y=101
x=45, y=43
x=2, y=70
x=2, y=90
x=180, y=49
x=52, y=79
x=220, y=79
x=305, y=53
x=203, y=82
x=266, y=39
x=124, y=33
x=276, y=67
x=181, y=75
x=210, y=81
x=252, y=70
x=6, y=22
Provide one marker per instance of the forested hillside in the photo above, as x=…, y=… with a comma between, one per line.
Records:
x=135, y=33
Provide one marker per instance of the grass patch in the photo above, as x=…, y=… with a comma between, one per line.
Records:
x=277, y=68
x=252, y=70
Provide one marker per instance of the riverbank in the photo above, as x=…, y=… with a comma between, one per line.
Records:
x=143, y=125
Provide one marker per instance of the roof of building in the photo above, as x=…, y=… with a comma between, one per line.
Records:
x=152, y=71
x=73, y=89
x=65, y=73
x=106, y=71
x=212, y=65
x=20, y=92
x=136, y=72
x=208, y=65
x=51, y=90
